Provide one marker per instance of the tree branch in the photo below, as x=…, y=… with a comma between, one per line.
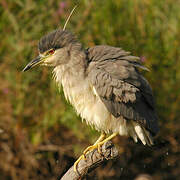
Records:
x=93, y=160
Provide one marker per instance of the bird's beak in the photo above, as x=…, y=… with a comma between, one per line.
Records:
x=34, y=62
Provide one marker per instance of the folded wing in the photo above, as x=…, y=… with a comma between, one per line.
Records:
x=114, y=74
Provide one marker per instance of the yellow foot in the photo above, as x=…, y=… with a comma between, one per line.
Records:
x=97, y=146
x=87, y=150
x=77, y=161
x=91, y=148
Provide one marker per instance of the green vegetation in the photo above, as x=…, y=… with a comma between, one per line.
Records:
x=33, y=112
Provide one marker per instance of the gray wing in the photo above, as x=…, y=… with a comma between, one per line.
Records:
x=124, y=91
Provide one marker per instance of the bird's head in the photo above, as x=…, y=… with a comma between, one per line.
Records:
x=54, y=49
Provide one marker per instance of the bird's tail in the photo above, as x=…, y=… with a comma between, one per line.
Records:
x=148, y=137
x=143, y=134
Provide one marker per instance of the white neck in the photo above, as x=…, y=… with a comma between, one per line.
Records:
x=72, y=77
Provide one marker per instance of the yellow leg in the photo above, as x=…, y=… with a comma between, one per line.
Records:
x=105, y=140
x=88, y=149
x=97, y=145
x=77, y=161
x=94, y=146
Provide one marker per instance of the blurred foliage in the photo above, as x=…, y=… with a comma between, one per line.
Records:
x=40, y=134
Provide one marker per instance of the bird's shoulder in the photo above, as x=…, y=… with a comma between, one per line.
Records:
x=104, y=54
x=117, y=64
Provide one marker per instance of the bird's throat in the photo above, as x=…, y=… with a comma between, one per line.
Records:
x=72, y=77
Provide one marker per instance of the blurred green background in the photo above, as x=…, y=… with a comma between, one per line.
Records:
x=40, y=134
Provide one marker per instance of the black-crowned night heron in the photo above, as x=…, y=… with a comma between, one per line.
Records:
x=104, y=86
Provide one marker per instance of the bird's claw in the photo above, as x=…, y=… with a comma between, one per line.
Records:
x=89, y=149
x=86, y=151
x=97, y=146
x=77, y=161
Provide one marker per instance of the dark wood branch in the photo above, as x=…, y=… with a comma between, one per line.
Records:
x=93, y=160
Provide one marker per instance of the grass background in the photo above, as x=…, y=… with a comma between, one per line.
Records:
x=40, y=134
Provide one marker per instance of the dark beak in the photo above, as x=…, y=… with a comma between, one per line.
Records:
x=33, y=63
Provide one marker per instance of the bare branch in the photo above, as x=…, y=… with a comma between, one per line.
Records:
x=93, y=160
x=52, y=147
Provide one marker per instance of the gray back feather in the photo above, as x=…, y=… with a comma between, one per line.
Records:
x=124, y=91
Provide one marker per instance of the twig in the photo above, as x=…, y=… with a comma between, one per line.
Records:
x=52, y=147
x=93, y=160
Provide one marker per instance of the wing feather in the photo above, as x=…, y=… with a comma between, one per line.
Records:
x=124, y=91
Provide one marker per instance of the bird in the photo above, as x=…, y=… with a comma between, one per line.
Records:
x=105, y=86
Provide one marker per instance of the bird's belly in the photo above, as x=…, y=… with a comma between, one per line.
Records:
x=96, y=114
x=91, y=109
